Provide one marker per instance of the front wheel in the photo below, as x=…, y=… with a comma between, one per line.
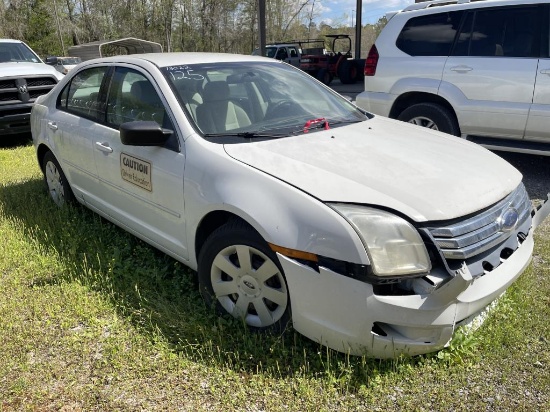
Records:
x=241, y=276
x=431, y=115
x=58, y=186
x=324, y=76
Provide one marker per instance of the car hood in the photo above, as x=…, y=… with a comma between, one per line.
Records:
x=423, y=174
x=26, y=69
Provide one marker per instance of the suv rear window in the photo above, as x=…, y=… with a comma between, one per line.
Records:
x=431, y=35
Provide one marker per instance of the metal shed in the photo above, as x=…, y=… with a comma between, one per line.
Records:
x=102, y=48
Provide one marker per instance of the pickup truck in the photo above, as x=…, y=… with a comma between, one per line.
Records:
x=290, y=53
x=23, y=77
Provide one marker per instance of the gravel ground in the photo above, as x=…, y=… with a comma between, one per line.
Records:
x=536, y=172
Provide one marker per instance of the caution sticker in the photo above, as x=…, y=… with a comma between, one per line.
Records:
x=136, y=171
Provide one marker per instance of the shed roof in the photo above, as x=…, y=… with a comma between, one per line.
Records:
x=102, y=48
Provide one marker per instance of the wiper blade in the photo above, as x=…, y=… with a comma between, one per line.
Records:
x=247, y=135
x=345, y=121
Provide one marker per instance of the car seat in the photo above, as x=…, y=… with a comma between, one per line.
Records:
x=218, y=114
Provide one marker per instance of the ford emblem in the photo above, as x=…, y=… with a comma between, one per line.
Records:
x=508, y=220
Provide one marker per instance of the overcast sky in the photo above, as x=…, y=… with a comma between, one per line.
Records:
x=341, y=11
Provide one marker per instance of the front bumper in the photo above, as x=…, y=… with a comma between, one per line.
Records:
x=344, y=314
x=377, y=103
x=15, y=119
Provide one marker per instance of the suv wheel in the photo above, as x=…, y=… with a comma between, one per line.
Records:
x=431, y=115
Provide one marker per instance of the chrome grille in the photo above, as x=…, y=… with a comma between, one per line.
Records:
x=472, y=236
x=25, y=89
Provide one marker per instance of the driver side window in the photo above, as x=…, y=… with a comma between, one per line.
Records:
x=132, y=97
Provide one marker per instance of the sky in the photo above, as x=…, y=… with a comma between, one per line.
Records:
x=341, y=11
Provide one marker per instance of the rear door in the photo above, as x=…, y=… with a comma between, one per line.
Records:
x=492, y=70
x=537, y=124
x=74, y=123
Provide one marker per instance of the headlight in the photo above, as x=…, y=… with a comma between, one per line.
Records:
x=393, y=245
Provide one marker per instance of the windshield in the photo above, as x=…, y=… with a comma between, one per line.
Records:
x=257, y=99
x=17, y=52
x=270, y=51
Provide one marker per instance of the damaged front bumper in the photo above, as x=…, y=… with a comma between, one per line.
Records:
x=346, y=315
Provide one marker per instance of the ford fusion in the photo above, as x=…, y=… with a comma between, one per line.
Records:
x=371, y=236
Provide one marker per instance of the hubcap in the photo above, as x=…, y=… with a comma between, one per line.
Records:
x=424, y=122
x=249, y=285
x=55, y=184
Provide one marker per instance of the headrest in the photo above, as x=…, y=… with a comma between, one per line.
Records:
x=143, y=90
x=215, y=91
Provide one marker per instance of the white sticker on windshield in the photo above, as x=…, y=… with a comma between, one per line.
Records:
x=136, y=171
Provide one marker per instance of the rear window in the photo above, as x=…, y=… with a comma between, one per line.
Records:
x=431, y=35
x=508, y=32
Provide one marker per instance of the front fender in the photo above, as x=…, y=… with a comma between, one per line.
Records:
x=282, y=214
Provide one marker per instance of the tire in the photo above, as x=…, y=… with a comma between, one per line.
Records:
x=347, y=71
x=360, y=67
x=56, y=182
x=432, y=116
x=240, y=275
x=324, y=76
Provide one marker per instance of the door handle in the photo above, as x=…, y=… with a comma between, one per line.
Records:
x=104, y=147
x=545, y=71
x=52, y=125
x=461, y=69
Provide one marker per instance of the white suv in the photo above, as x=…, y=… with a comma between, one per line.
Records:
x=480, y=70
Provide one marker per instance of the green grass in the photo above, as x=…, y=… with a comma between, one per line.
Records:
x=93, y=319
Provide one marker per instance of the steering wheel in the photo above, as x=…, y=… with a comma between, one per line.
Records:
x=281, y=108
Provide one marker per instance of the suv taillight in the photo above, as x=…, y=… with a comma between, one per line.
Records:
x=371, y=62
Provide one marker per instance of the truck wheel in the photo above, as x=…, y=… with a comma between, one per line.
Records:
x=324, y=76
x=431, y=115
x=347, y=71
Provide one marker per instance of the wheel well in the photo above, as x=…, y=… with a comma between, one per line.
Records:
x=209, y=224
x=40, y=153
x=408, y=99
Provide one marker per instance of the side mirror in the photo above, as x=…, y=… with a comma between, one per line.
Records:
x=51, y=60
x=142, y=133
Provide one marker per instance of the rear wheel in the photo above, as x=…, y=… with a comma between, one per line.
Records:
x=58, y=186
x=433, y=116
x=240, y=275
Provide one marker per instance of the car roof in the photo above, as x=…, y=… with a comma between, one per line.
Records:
x=430, y=7
x=179, y=58
x=10, y=41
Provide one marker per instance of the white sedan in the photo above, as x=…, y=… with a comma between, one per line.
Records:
x=372, y=236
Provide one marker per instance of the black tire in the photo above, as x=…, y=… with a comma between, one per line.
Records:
x=432, y=116
x=240, y=275
x=58, y=187
x=360, y=67
x=324, y=76
x=347, y=72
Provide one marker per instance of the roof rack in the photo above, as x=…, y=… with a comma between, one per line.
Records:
x=436, y=3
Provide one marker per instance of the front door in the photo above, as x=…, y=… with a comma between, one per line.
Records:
x=141, y=187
